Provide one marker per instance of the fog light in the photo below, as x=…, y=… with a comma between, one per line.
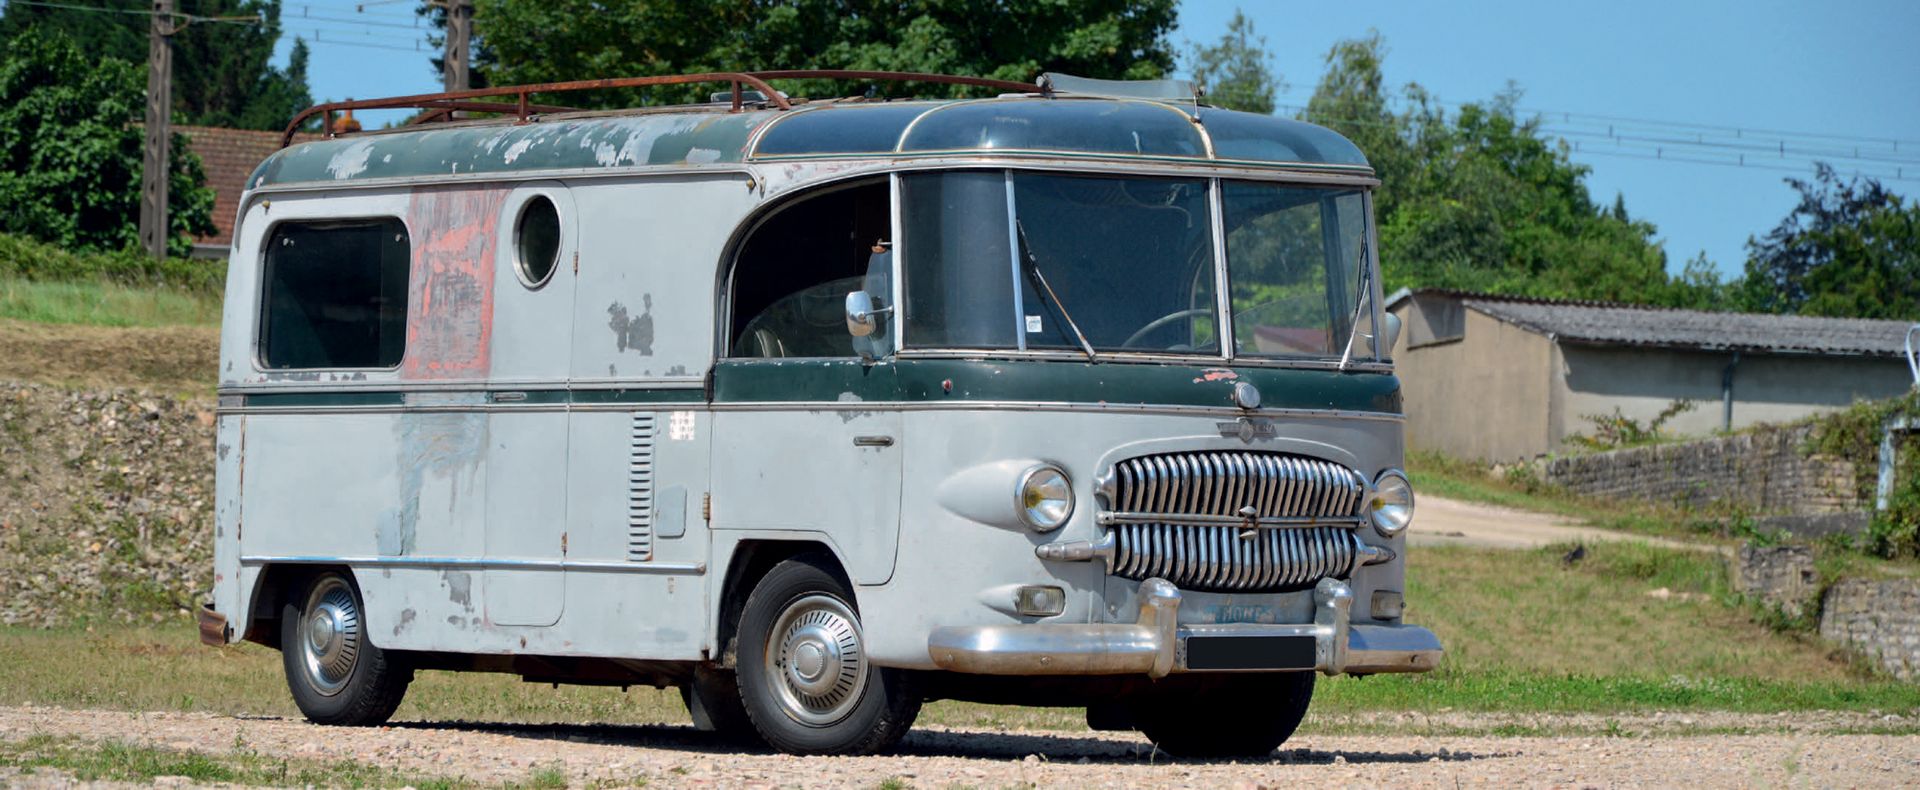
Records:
x=1387, y=605
x=1036, y=601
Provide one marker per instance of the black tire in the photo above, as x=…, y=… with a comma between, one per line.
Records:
x=1224, y=716
x=713, y=700
x=860, y=708
x=345, y=681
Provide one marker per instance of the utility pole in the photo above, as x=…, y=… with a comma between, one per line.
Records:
x=459, y=39
x=154, y=158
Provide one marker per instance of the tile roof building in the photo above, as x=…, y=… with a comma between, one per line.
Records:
x=1501, y=378
x=228, y=156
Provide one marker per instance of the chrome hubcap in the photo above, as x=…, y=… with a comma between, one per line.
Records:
x=332, y=642
x=817, y=660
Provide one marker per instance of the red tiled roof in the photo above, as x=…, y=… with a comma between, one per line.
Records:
x=228, y=156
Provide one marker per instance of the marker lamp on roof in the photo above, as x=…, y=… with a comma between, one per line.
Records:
x=1390, y=507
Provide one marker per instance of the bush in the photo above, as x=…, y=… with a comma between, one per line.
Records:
x=1854, y=434
x=27, y=259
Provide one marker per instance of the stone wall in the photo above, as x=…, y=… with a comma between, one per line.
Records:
x=1762, y=471
x=1782, y=577
x=1881, y=619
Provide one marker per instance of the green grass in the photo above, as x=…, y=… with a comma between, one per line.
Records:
x=113, y=761
x=99, y=303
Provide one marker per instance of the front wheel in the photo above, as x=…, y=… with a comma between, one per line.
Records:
x=1223, y=716
x=336, y=675
x=805, y=677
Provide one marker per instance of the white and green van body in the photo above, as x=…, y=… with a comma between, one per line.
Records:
x=1073, y=399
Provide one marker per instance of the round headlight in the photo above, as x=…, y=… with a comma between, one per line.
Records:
x=1045, y=498
x=1391, y=506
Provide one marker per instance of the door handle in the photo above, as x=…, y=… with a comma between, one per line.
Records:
x=873, y=441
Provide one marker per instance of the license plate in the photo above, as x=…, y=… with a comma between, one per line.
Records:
x=1250, y=652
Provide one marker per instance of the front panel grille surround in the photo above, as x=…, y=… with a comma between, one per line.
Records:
x=1233, y=521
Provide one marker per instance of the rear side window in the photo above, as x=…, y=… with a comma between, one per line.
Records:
x=336, y=295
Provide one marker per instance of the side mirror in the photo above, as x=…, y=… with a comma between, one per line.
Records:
x=1389, y=334
x=863, y=318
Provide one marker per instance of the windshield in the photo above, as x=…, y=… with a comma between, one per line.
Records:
x=1295, y=257
x=1092, y=264
x=1111, y=264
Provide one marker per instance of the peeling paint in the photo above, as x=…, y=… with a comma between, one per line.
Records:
x=438, y=445
x=223, y=449
x=450, y=320
x=351, y=160
x=460, y=588
x=1215, y=374
x=514, y=151
x=632, y=333
x=406, y=619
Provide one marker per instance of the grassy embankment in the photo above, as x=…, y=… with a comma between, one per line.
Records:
x=44, y=284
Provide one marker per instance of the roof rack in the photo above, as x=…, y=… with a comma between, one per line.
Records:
x=442, y=106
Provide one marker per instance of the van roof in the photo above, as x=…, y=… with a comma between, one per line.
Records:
x=1028, y=125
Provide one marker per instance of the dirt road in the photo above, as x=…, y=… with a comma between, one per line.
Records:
x=1789, y=751
x=1451, y=522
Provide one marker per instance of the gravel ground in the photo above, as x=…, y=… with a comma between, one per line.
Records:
x=1791, y=752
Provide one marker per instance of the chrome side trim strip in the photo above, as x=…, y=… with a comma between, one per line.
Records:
x=864, y=406
x=480, y=563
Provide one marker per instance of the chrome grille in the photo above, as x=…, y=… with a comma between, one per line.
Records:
x=1221, y=484
x=1233, y=521
x=1233, y=559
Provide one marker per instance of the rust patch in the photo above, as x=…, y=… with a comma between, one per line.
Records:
x=1216, y=374
x=450, y=325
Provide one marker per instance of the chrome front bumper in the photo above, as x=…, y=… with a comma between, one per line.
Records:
x=1157, y=645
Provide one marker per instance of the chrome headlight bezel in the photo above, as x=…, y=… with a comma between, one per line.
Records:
x=1387, y=512
x=1037, y=515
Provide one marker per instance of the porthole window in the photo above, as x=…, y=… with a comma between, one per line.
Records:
x=536, y=240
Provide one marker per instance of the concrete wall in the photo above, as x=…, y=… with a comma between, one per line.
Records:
x=1767, y=388
x=1764, y=471
x=1483, y=395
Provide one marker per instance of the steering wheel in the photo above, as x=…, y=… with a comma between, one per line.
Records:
x=1163, y=321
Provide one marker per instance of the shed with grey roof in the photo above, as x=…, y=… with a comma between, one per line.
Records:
x=1502, y=378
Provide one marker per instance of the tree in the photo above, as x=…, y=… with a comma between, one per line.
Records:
x=1235, y=72
x=223, y=71
x=1479, y=198
x=549, y=40
x=70, y=150
x=1850, y=248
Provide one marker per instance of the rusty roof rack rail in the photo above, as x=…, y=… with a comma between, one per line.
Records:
x=443, y=105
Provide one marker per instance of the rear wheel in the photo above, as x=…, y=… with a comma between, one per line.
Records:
x=805, y=678
x=1245, y=716
x=336, y=675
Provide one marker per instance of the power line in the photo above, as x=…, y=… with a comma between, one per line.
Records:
x=189, y=18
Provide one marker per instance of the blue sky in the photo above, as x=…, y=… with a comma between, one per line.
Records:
x=1849, y=68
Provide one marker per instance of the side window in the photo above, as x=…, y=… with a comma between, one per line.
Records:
x=336, y=295
x=792, y=277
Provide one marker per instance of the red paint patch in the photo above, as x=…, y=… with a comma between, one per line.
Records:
x=1216, y=374
x=450, y=326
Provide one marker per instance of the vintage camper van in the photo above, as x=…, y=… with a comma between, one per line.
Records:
x=816, y=410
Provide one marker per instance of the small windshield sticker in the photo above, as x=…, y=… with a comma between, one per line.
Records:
x=680, y=426
x=1033, y=324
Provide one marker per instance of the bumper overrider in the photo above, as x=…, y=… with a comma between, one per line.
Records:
x=1158, y=645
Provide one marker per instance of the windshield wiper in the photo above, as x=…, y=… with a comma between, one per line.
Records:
x=1033, y=265
x=1366, y=298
